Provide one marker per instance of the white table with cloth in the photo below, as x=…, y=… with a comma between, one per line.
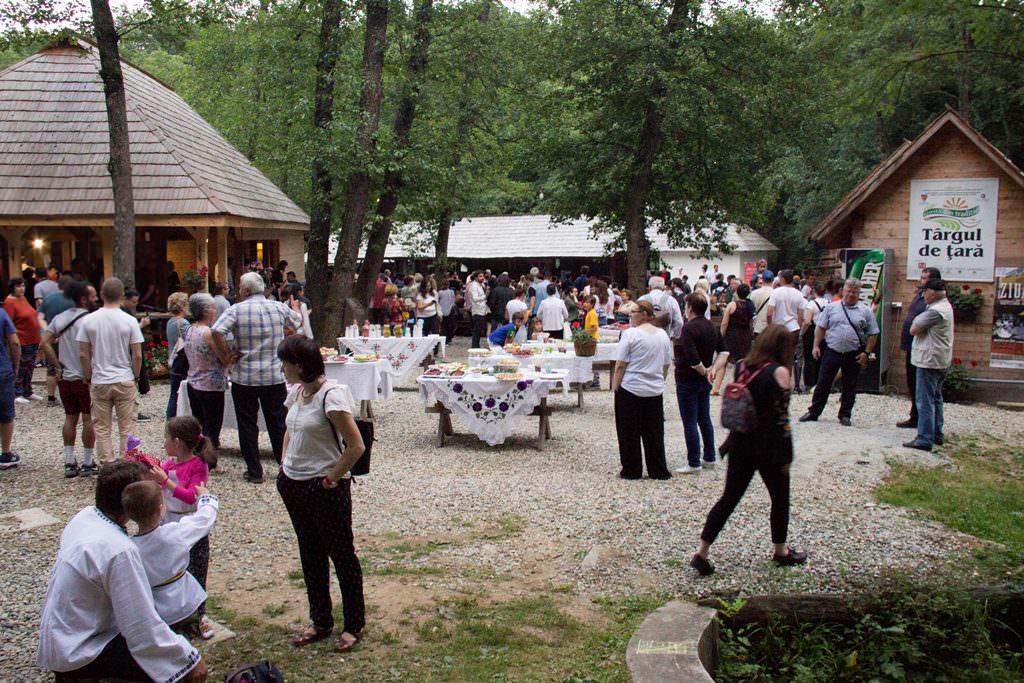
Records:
x=404, y=353
x=490, y=408
x=368, y=381
x=579, y=370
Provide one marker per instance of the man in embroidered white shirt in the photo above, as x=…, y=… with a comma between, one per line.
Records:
x=98, y=619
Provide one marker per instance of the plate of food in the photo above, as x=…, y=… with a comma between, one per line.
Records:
x=509, y=376
x=553, y=374
x=479, y=353
x=366, y=358
x=508, y=363
x=327, y=351
x=433, y=371
x=336, y=359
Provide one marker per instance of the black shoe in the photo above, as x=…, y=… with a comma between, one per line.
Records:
x=703, y=567
x=623, y=475
x=807, y=417
x=88, y=470
x=846, y=422
x=661, y=477
x=142, y=417
x=907, y=424
x=252, y=478
x=791, y=558
x=71, y=470
x=918, y=445
x=938, y=441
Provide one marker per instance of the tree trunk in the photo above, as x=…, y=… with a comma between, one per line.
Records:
x=322, y=203
x=373, y=260
x=964, y=76
x=440, y=266
x=339, y=309
x=638, y=247
x=120, y=164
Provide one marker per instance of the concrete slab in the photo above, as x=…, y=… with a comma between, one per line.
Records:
x=23, y=520
x=220, y=632
x=676, y=643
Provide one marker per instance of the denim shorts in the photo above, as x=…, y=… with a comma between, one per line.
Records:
x=6, y=397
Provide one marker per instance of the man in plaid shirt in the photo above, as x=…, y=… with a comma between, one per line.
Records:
x=257, y=325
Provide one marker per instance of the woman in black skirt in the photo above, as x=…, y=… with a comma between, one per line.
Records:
x=767, y=449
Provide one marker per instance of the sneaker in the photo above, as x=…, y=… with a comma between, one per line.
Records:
x=51, y=402
x=808, y=417
x=686, y=469
x=8, y=460
x=142, y=417
x=701, y=564
x=907, y=424
x=708, y=464
x=252, y=478
x=88, y=470
x=791, y=558
x=35, y=397
x=71, y=470
x=22, y=399
x=846, y=422
x=918, y=445
x=939, y=440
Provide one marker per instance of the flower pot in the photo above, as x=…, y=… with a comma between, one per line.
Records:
x=159, y=372
x=965, y=315
x=585, y=349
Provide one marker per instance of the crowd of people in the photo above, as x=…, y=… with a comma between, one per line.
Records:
x=138, y=598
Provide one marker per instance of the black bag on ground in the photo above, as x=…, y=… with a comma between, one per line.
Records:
x=259, y=672
x=362, y=465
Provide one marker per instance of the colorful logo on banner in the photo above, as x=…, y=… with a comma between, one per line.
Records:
x=953, y=228
x=954, y=214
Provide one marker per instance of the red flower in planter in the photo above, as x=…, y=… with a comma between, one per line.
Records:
x=957, y=361
x=163, y=342
x=977, y=290
x=965, y=287
x=974, y=363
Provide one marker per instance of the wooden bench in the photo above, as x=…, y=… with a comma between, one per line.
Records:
x=445, y=427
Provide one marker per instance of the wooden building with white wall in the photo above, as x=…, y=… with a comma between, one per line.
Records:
x=198, y=200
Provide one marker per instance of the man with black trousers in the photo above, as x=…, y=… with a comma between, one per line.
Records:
x=914, y=309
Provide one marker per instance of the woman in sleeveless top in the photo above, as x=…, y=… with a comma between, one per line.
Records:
x=207, y=371
x=767, y=450
x=737, y=329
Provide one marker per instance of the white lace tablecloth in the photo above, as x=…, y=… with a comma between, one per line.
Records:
x=605, y=353
x=490, y=408
x=577, y=369
x=404, y=353
x=230, y=422
x=367, y=381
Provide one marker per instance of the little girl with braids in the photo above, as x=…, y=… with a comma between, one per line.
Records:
x=191, y=457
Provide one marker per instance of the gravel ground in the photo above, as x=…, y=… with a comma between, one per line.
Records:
x=568, y=497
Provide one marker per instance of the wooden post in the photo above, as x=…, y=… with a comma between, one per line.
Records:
x=220, y=270
x=202, y=250
x=14, y=253
x=107, y=239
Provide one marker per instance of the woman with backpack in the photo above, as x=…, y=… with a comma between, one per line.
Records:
x=764, y=446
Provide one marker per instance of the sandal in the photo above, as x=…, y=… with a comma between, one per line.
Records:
x=343, y=644
x=311, y=635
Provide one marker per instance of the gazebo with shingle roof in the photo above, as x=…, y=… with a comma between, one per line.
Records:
x=197, y=198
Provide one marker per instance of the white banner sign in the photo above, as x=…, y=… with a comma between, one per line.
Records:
x=953, y=228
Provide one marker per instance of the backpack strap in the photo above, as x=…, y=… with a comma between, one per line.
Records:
x=71, y=324
x=323, y=408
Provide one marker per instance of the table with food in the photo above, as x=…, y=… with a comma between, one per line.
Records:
x=405, y=354
x=554, y=356
x=489, y=401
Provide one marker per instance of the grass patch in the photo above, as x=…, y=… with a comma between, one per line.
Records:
x=983, y=496
x=275, y=610
x=468, y=639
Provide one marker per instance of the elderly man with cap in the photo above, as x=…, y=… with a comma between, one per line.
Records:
x=664, y=302
x=932, y=354
x=916, y=307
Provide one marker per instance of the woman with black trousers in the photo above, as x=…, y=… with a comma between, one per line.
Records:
x=642, y=363
x=767, y=449
x=316, y=488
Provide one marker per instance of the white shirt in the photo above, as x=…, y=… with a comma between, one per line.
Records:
x=165, y=556
x=220, y=304
x=67, y=345
x=786, y=301
x=662, y=300
x=513, y=307
x=111, y=332
x=814, y=307
x=648, y=353
x=477, y=298
x=97, y=589
x=43, y=288
x=431, y=305
x=312, y=449
x=552, y=313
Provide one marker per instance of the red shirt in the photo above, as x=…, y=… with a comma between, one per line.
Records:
x=377, y=299
x=25, y=318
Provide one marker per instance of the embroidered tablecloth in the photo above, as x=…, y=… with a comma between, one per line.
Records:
x=405, y=354
x=490, y=408
x=577, y=368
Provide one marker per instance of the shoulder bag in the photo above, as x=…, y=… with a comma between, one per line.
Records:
x=361, y=466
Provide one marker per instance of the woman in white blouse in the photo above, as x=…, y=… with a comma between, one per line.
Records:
x=315, y=486
x=426, y=307
x=643, y=360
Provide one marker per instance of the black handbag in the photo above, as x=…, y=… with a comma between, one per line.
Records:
x=259, y=672
x=361, y=466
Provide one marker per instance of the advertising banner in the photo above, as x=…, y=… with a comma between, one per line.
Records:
x=1008, y=320
x=872, y=267
x=953, y=228
x=749, y=268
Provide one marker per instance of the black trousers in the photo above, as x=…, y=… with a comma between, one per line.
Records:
x=911, y=387
x=449, y=323
x=322, y=519
x=831, y=363
x=431, y=325
x=114, y=661
x=555, y=334
x=479, y=327
x=248, y=401
x=742, y=466
x=208, y=408
x=811, y=364
x=639, y=420
x=199, y=565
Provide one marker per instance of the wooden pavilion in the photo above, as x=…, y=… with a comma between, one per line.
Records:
x=198, y=200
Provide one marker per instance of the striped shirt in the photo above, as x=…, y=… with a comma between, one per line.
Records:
x=257, y=325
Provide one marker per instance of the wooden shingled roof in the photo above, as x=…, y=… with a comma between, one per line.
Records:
x=54, y=148
x=883, y=171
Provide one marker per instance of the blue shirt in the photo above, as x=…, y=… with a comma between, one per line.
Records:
x=54, y=304
x=540, y=292
x=502, y=334
x=839, y=335
x=6, y=329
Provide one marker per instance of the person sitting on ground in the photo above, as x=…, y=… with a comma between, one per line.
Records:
x=768, y=449
x=164, y=548
x=509, y=333
x=98, y=618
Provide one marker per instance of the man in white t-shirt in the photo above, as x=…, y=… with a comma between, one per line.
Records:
x=786, y=307
x=553, y=313
x=516, y=304
x=110, y=346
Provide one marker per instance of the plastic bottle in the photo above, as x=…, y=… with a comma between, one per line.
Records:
x=366, y=328
x=386, y=331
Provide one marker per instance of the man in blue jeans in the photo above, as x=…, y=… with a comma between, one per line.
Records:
x=10, y=356
x=700, y=355
x=931, y=353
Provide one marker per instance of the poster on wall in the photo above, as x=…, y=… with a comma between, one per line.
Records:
x=749, y=268
x=953, y=228
x=873, y=267
x=1008, y=320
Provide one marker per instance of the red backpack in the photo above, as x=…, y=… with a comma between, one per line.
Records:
x=739, y=414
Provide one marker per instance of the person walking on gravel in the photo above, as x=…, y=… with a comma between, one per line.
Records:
x=767, y=449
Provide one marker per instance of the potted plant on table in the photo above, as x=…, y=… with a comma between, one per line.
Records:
x=155, y=358
x=965, y=300
x=583, y=342
x=195, y=278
